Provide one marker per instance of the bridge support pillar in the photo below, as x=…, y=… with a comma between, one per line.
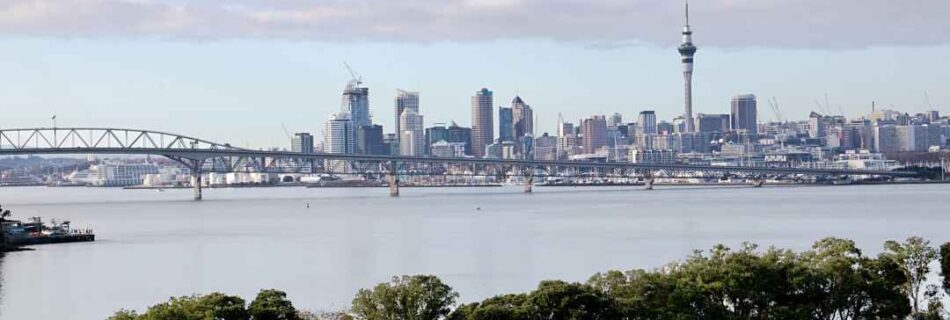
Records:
x=648, y=183
x=196, y=184
x=393, y=179
x=758, y=182
x=528, y=184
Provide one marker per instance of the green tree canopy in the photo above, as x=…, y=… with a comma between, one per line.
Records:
x=420, y=297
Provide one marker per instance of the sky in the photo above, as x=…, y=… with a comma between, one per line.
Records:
x=240, y=71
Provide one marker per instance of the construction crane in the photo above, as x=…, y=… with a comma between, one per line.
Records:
x=357, y=79
x=778, y=113
x=289, y=137
x=927, y=100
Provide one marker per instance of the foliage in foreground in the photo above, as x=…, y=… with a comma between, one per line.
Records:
x=833, y=280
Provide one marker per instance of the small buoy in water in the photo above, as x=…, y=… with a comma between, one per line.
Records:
x=308, y=204
x=478, y=209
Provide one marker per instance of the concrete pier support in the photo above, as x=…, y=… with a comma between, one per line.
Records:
x=393, y=185
x=648, y=183
x=196, y=184
x=393, y=179
x=758, y=182
x=528, y=184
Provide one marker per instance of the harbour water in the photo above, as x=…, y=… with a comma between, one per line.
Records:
x=482, y=241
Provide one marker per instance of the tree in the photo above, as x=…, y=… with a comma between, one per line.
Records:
x=217, y=306
x=945, y=266
x=914, y=256
x=420, y=297
x=272, y=305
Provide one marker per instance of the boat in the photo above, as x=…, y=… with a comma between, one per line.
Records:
x=35, y=231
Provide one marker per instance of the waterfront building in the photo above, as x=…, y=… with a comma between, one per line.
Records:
x=483, y=127
x=506, y=124
x=452, y=134
x=445, y=149
x=356, y=103
x=594, y=133
x=114, y=174
x=743, y=115
x=652, y=156
x=687, y=50
x=302, y=142
x=404, y=100
x=338, y=134
x=369, y=140
x=412, y=137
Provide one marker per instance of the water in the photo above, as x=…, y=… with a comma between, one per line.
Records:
x=482, y=241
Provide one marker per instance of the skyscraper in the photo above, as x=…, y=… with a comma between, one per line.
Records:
x=405, y=100
x=615, y=120
x=369, y=140
x=356, y=103
x=412, y=139
x=483, y=126
x=506, y=124
x=302, y=142
x=710, y=123
x=338, y=134
x=687, y=50
x=594, y=131
x=647, y=122
x=523, y=117
x=744, y=113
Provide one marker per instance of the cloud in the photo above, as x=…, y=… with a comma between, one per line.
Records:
x=597, y=23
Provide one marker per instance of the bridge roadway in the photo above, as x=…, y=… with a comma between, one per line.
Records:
x=202, y=156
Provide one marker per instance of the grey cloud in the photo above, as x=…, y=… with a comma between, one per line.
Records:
x=598, y=23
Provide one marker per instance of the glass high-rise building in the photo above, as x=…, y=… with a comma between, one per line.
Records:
x=302, y=142
x=506, y=124
x=369, y=140
x=405, y=100
x=647, y=122
x=522, y=118
x=412, y=137
x=744, y=114
x=338, y=134
x=483, y=125
x=356, y=103
x=451, y=134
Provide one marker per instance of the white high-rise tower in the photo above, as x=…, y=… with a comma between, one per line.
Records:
x=687, y=50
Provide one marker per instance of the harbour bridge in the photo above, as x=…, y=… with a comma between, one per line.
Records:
x=202, y=156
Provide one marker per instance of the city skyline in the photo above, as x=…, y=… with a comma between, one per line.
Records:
x=109, y=77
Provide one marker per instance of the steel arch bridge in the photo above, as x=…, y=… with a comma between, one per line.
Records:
x=203, y=156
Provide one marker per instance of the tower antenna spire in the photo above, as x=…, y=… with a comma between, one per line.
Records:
x=687, y=12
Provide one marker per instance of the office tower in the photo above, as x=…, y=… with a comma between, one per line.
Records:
x=647, y=123
x=405, y=100
x=338, y=134
x=412, y=137
x=302, y=142
x=452, y=134
x=523, y=118
x=369, y=140
x=391, y=143
x=483, y=126
x=594, y=132
x=687, y=50
x=886, y=139
x=615, y=120
x=712, y=123
x=664, y=127
x=356, y=103
x=744, y=114
x=506, y=124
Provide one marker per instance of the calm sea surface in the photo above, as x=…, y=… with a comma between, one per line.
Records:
x=482, y=241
